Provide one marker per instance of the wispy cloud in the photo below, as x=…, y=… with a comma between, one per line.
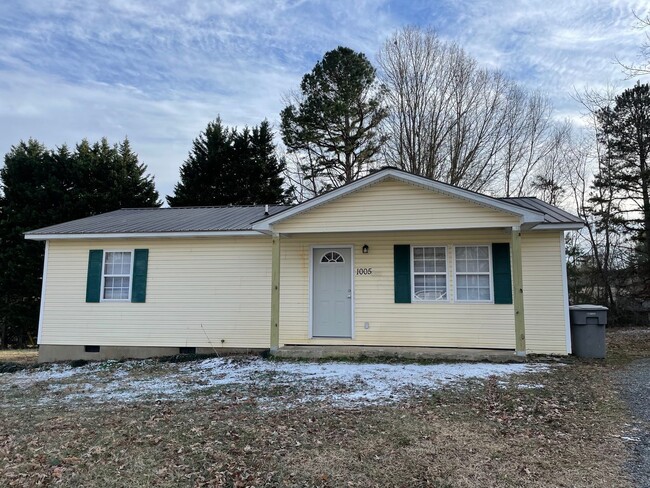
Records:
x=159, y=71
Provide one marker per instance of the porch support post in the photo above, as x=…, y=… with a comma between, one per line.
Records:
x=275, y=293
x=518, y=285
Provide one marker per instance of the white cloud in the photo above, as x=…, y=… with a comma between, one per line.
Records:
x=159, y=71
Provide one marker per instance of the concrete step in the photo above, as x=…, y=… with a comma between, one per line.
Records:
x=394, y=352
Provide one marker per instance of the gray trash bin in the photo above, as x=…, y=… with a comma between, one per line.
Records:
x=588, y=330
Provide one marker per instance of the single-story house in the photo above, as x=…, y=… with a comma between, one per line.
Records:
x=392, y=259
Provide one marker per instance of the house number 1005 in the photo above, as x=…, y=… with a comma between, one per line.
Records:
x=364, y=271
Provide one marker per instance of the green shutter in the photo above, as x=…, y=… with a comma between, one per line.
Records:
x=402, y=264
x=502, y=277
x=94, y=277
x=140, y=263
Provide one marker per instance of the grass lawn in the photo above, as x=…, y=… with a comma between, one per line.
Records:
x=257, y=424
x=23, y=356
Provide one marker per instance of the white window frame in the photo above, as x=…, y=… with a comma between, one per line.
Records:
x=456, y=273
x=101, y=292
x=413, y=273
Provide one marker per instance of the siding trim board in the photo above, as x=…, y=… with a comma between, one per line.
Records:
x=565, y=290
x=43, y=293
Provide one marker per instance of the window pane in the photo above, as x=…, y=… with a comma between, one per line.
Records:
x=429, y=252
x=472, y=266
x=418, y=265
x=462, y=281
x=484, y=281
x=441, y=265
x=484, y=266
x=471, y=253
x=462, y=294
x=108, y=266
x=418, y=252
x=484, y=293
x=123, y=293
x=460, y=253
x=483, y=252
x=126, y=263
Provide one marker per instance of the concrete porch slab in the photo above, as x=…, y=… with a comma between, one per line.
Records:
x=417, y=353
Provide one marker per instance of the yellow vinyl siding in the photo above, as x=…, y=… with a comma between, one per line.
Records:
x=199, y=292
x=393, y=205
x=480, y=325
x=543, y=292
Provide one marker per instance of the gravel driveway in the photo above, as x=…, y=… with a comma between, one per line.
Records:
x=634, y=383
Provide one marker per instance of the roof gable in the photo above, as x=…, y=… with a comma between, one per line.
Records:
x=393, y=205
x=489, y=208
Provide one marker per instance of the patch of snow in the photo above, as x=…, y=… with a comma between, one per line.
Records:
x=273, y=384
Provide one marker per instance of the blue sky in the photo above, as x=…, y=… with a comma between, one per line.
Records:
x=158, y=71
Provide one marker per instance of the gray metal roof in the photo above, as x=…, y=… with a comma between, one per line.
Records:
x=552, y=214
x=155, y=220
x=225, y=218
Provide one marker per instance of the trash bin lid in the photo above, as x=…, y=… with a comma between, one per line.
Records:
x=586, y=306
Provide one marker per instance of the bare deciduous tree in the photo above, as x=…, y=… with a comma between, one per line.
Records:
x=451, y=120
x=643, y=67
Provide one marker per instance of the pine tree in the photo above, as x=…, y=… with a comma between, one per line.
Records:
x=230, y=167
x=624, y=130
x=333, y=125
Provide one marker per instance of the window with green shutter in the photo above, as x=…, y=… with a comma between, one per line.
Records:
x=118, y=276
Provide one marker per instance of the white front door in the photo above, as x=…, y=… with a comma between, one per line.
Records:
x=332, y=292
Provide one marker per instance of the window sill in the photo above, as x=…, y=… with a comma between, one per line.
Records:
x=475, y=302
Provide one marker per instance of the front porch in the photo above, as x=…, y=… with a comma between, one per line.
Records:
x=397, y=352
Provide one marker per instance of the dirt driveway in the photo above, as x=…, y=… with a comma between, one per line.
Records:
x=633, y=382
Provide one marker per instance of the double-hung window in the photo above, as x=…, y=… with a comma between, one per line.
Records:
x=429, y=273
x=117, y=272
x=473, y=274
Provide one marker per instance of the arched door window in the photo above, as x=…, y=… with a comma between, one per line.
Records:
x=332, y=257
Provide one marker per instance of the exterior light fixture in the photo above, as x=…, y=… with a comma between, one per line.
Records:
x=365, y=249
